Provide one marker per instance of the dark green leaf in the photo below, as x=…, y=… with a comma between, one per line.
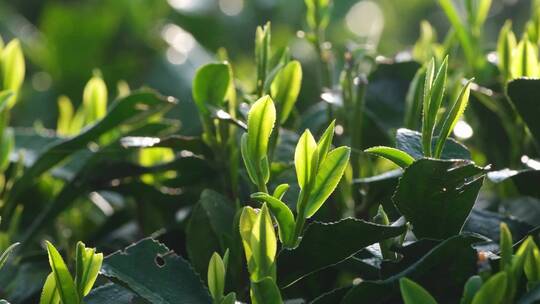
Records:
x=326, y=244
x=436, y=196
x=211, y=220
x=160, y=276
x=453, y=259
x=523, y=94
x=111, y=294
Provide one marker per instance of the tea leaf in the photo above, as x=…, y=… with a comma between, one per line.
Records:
x=12, y=67
x=305, y=159
x=172, y=281
x=261, y=119
x=63, y=279
x=216, y=276
x=328, y=176
x=265, y=291
x=457, y=256
x=65, y=116
x=523, y=95
x=506, y=247
x=212, y=220
x=326, y=244
x=285, y=88
x=472, y=286
x=283, y=214
x=432, y=103
x=525, y=63
x=318, y=13
x=413, y=293
x=325, y=142
x=210, y=86
x=280, y=191
x=247, y=221
x=88, y=266
x=493, y=290
x=532, y=261
x=505, y=47
x=246, y=156
x=437, y=196
x=49, y=294
x=263, y=244
x=398, y=157
x=95, y=99
x=262, y=55
x=452, y=118
x=462, y=33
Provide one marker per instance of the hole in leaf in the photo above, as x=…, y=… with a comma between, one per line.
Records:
x=160, y=261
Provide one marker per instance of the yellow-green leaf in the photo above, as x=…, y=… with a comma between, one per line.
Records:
x=210, y=86
x=525, y=63
x=328, y=176
x=283, y=214
x=88, y=266
x=65, y=115
x=305, y=159
x=286, y=87
x=216, y=276
x=398, y=157
x=493, y=290
x=506, y=247
x=49, y=294
x=412, y=293
x=13, y=68
x=453, y=117
x=505, y=48
x=95, y=99
x=64, y=280
x=263, y=244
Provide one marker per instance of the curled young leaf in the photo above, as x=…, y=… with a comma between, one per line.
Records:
x=394, y=155
x=283, y=214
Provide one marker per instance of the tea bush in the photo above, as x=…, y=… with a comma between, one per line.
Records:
x=360, y=196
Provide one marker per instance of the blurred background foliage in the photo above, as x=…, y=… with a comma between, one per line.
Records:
x=160, y=43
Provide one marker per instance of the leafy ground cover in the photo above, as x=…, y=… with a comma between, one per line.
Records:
x=377, y=191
